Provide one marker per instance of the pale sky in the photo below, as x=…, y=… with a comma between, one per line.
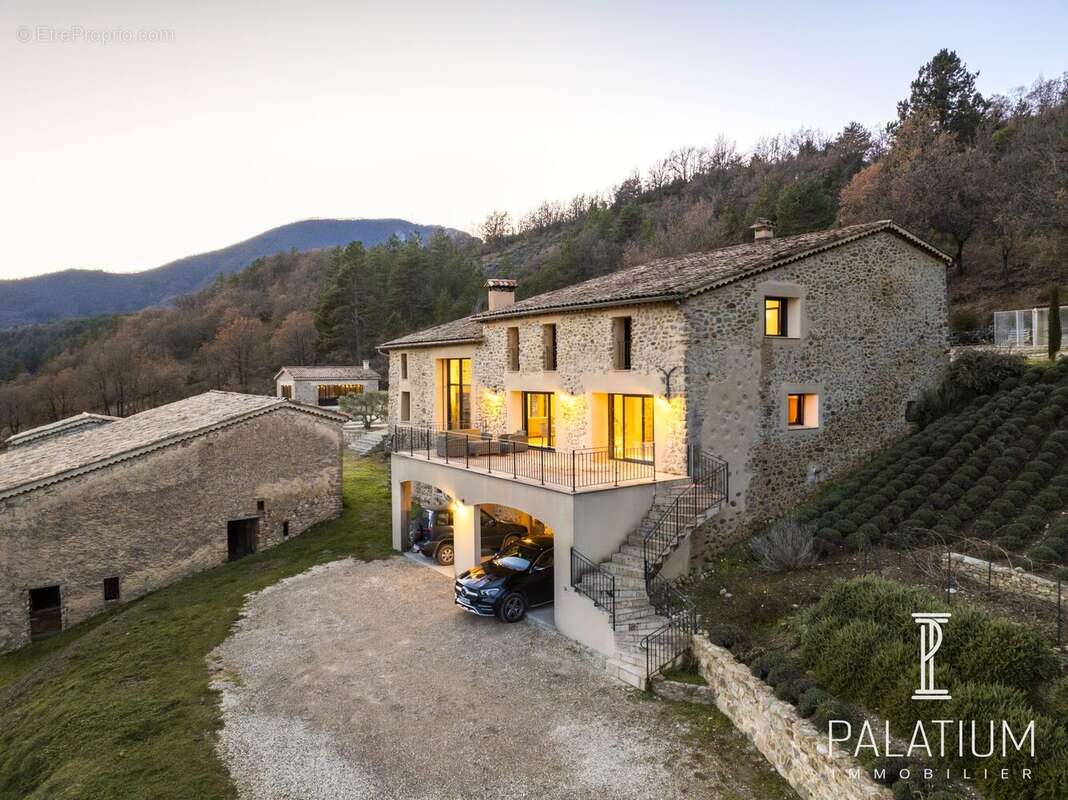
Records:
x=126, y=155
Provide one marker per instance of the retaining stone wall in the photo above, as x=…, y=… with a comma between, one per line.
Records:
x=790, y=744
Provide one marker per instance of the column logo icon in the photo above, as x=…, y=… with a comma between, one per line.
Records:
x=930, y=641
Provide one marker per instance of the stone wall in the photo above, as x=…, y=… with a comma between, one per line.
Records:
x=873, y=336
x=158, y=517
x=791, y=745
x=1006, y=578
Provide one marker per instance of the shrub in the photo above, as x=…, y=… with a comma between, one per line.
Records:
x=786, y=545
x=763, y=664
x=810, y=700
x=791, y=691
x=724, y=635
x=1048, y=499
x=1044, y=553
x=783, y=673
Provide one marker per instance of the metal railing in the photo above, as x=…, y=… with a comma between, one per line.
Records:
x=666, y=644
x=711, y=485
x=515, y=458
x=591, y=579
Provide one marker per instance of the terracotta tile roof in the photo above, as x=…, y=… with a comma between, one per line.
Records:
x=23, y=469
x=467, y=329
x=60, y=428
x=678, y=277
x=326, y=373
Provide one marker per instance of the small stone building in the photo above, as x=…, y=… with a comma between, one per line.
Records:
x=116, y=509
x=324, y=386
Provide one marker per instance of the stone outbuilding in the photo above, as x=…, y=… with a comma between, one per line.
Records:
x=324, y=386
x=113, y=510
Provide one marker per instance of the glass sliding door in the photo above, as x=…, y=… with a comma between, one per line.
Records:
x=630, y=426
x=457, y=393
x=539, y=418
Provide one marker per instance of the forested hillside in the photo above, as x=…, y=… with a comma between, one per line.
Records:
x=84, y=293
x=985, y=178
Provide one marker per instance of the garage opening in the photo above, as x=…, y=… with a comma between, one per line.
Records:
x=241, y=535
x=46, y=612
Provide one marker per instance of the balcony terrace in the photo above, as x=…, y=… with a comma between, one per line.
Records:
x=512, y=458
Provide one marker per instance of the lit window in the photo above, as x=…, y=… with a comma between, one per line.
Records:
x=775, y=316
x=802, y=410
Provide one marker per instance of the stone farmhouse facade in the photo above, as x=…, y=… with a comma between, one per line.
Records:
x=789, y=358
x=323, y=386
x=109, y=512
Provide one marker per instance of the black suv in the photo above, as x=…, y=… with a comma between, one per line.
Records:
x=517, y=578
x=432, y=534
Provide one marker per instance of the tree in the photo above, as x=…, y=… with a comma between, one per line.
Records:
x=366, y=407
x=293, y=343
x=237, y=353
x=803, y=206
x=1054, y=322
x=945, y=91
x=496, y=226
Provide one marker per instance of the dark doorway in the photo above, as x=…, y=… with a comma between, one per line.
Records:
x=241, y=537
x=46, y=612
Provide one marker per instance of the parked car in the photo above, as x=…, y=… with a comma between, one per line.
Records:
x=432, y=534
x=517, y=578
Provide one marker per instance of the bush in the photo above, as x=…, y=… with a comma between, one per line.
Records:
x=765, y=663
x=1044, y=553
x=724, y=635
x=786, y=545
x=810, y=700
x=791, y=691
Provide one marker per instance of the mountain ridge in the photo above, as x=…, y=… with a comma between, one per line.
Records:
x=73, y=293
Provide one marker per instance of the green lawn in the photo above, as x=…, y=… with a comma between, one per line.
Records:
x=119, y=707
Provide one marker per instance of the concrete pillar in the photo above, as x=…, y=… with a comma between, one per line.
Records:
x=467, y=536
x=401, y=496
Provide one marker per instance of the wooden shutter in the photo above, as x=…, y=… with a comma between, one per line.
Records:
x=548, y=347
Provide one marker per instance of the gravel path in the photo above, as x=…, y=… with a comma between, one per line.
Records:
x=362, y=680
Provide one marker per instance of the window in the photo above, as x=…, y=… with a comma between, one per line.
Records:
x=539, y=418
x=261, y=505
x=285, y=529
x=111, y=589
x=910, y=411
x=545, y=560
x=802, y=410
x=776, y=316
x=548, y=347
x=630, y=426
x=404, y=366
x=621, y=340
x=513, y=349
x=287, y=391
x=457, y=393
x=330, y=392
x=406, y=406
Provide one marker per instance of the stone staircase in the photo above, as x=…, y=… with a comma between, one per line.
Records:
x=635, y=616
x=361, y=441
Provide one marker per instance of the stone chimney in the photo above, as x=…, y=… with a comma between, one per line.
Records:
x=366, y=364
x=500, y=293
x=762, y=229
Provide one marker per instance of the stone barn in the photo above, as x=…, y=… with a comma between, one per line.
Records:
x=107, y=513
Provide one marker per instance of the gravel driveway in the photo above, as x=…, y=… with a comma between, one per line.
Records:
x=362, y=680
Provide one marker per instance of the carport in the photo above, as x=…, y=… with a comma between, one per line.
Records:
x=593, y=522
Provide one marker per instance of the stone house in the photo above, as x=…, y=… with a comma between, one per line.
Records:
x=323, y=386
x=733, y=379
x=114, y=510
